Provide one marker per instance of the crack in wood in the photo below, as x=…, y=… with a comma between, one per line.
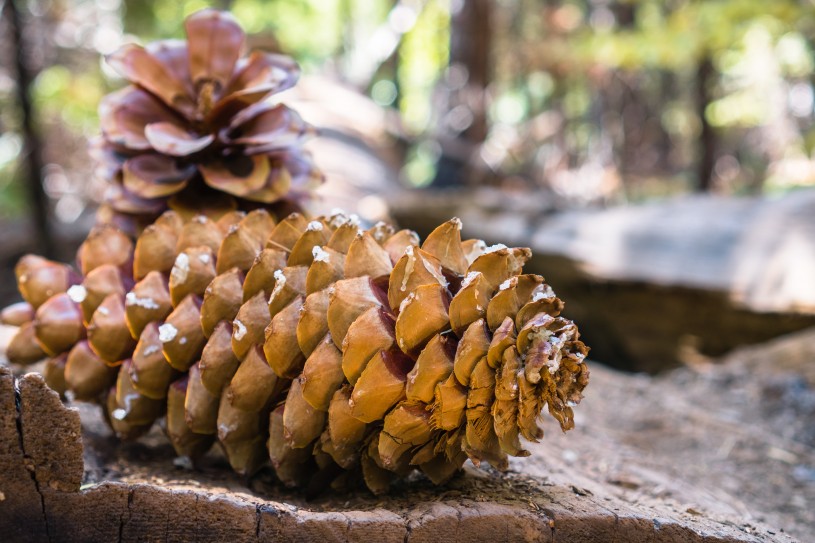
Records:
x=408, y=530
x=122, y=515
x=258, y=511
x=26, y=458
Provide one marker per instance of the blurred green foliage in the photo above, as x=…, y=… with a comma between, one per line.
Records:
x=607, y=82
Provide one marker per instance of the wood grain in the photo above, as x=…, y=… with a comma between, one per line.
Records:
x=134, y=493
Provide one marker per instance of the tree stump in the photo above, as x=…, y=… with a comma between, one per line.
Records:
x=135, y=493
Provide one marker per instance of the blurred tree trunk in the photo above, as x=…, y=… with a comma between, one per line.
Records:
x=31, y=154
x=470, y=46
x=635, y=99
x=668, y=84
x=705, y=75
x=624, y=98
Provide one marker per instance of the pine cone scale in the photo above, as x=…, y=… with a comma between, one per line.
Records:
x=137, y=64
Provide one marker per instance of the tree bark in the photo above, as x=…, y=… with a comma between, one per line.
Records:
x=470, y=46
x=708, y=144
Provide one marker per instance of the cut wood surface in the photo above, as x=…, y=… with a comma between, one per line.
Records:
x=646, y=281
x=596, y=483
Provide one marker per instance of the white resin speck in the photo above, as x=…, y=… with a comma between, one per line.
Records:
x=181, y=269
x=167, y=332
x=410, y=297
x=469, y=278
x=319, y=254
x=240, y=329
x=494, y=248
x=280, y=282
x=146, y=302
x=77, y=293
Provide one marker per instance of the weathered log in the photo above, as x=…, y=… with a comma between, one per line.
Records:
x=701, y=273
x=134, y=493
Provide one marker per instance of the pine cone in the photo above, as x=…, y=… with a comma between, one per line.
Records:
x=195, y=127
x=311, y=344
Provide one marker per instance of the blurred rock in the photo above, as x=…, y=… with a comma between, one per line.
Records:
x=656, y=284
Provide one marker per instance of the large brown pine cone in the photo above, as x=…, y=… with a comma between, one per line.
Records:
x=197, y=123
x=313, y=344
